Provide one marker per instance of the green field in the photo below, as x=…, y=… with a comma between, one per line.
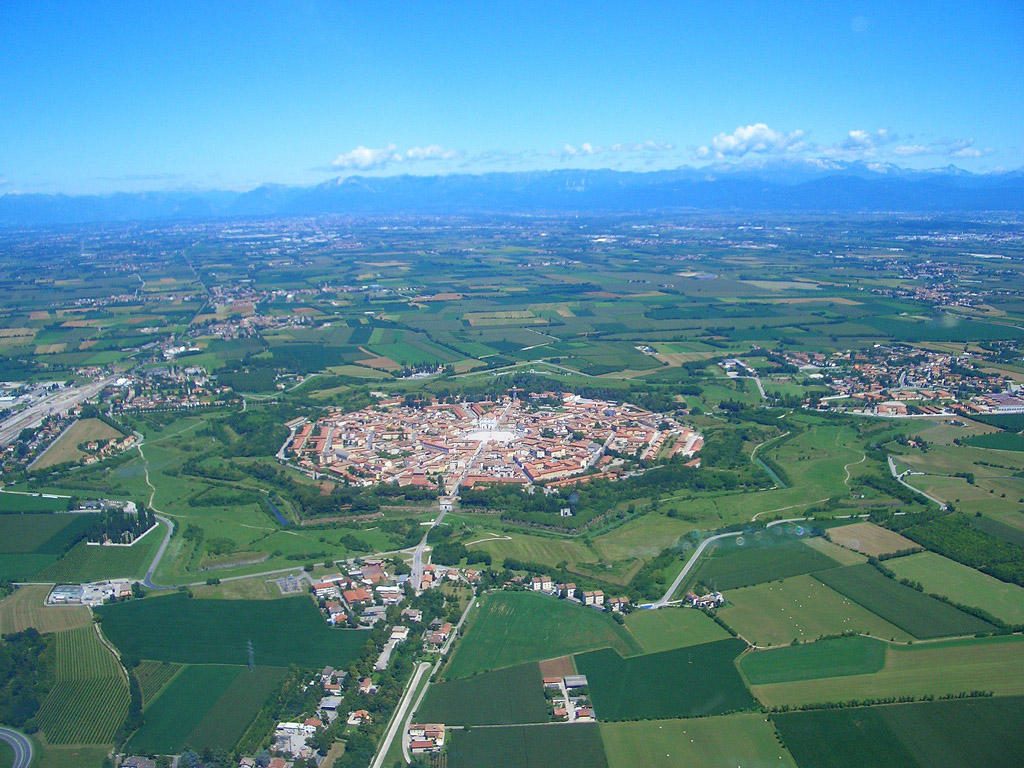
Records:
x=504, y=697
x=41, y=533
x=800, y=608
x=965, y=733
x=283, y=632
x=153, y=676
x=544, y=746
x=961, y=584
x=25, y=503
x=926, y=669
x=89, y=698
x=231, y=697
x=670, y=628
x=509, y=628
x=917, y=613
x=744, y=739
x=834, y=657
x=85, y=563
x=754, y=559
x=685, y=682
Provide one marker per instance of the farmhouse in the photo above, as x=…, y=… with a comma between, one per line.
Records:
x=710, y=600
x=425, y=738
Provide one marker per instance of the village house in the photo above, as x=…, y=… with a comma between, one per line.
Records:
x=595, y=597
x=359, y=717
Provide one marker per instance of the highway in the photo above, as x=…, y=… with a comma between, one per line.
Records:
x=20, y=744
x=58, y=402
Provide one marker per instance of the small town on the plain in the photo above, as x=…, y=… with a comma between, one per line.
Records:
x=443, y=385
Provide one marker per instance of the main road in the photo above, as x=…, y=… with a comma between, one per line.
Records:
x=20, y=745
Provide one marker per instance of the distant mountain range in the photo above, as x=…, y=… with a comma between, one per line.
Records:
x=771, y=187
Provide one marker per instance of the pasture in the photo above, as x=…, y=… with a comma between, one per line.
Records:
x=503, y=697
x=670, y=628
x=799, y=608
x=509, y=628
x=686, y=682
x=870, y=539
x=558, y=745
x=962, y=733
x=217, y=631
x=747, y=560
x=962, y=584
x=920, y=615
x=89, y=697
x=25, y=609
x=834, y=657
x=232, y=695
x=710, y=742
x=950, y=667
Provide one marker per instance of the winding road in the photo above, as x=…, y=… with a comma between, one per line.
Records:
x=901, y=481
x=20, y=745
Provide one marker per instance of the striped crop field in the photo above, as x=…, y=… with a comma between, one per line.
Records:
x=89, y=698
x=153, y=676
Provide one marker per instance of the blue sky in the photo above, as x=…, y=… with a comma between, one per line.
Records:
x=102, y=96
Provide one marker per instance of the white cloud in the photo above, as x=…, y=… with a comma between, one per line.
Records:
x=861, y=140
x=959, y=148
x=586, y=148
x=377, y=158
x=757, y=138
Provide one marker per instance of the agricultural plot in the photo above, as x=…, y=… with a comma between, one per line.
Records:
x=232, y=695
x=710, y=742
x=962, y=584
x=89, y=698
x=85, y=563
x=685, y=682
x=153, y=676
x=934, y=669
x=962, y=733
x=799, y=608
x=509, y=628
x=218, y=631
x=530, y=746
x=670, y=628
x=24, y=503
x=25, y=609
x=31, y=542
x=917, y=613
x=747, y=560
x=834, y=657
x=66, y=447
x=503, y=697
x=870, y=539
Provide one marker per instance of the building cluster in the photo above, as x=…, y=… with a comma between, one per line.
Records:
x=451, y=445
x=593, y=598
x=710, y=600
x=164, y=388
x=900, y=380
x=425, y=738
x=91, y=594
x=568, y=699
x=363, y=593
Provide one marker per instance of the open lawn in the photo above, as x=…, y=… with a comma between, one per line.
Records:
x=709, y=742
x=217, y=631
x=950, y=667
x=917, y=613
x=559, y=745
x=962, y=584
x=473, y=700
x=685, y=682
x=25, y=609
x=89, y=697
x=870, y=539
x=800, y=608
x=747, y=560
x=66, y=447
x=509, y=628
x=964, y=733
x=833, y=657
x=670, y=628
